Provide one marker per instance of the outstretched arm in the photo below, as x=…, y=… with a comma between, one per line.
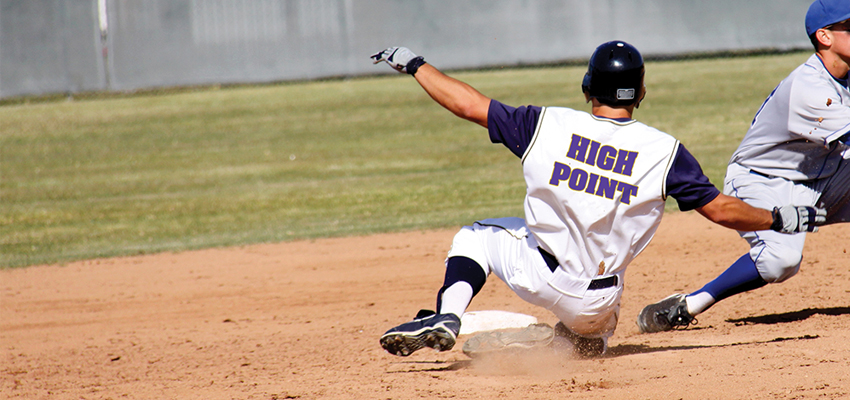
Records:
x=456, y=96
x=733, y=213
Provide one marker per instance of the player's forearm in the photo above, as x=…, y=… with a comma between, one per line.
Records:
x=456, y=96
x=735, y=214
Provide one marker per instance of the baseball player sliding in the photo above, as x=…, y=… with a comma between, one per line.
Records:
x=795, y=151
x=596, y=185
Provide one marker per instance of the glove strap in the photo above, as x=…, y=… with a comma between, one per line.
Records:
x=777, y=220
x=414, y=64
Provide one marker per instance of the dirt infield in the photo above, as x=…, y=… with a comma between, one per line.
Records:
x=301, y=321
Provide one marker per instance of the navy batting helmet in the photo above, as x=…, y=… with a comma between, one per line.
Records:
x=615, y=74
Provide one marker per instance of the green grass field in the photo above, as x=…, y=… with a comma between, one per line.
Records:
x=126, y=175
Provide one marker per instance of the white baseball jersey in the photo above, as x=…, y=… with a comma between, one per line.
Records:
x=595, y=189
x=595, y=196
x=794, y=134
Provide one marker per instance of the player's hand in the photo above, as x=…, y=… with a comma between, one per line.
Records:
x=399, y=58
x=795, y=219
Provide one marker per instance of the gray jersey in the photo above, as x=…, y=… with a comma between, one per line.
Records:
x=795, y=133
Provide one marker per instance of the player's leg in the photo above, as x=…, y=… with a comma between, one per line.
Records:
x=464, y=279
x=741, y=276
x=773, y=257
x=588, y=330
x=769, y=261
x=466, y=272
x=514, y=257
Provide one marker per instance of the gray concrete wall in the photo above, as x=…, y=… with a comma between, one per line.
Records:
x=49, y=46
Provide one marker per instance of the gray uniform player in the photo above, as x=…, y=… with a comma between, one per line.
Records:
x=596, y=185
x=793, y=152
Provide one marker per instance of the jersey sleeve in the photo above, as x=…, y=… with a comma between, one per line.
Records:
x=815, y=111
x=512, y=127
x=687, y=183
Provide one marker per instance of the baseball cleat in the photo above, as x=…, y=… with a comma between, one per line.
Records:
x=437, y=331
x=508, y=341
x=666, y=315
x=582, y=346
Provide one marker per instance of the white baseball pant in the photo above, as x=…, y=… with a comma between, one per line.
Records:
x=505, y=247
x=777, y=256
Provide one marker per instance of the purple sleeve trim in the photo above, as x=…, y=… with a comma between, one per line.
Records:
x=512, y=127
x=687, y=184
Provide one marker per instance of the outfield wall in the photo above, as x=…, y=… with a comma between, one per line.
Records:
x=68, y=46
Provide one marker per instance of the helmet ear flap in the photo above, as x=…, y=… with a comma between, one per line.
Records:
x=585, y=83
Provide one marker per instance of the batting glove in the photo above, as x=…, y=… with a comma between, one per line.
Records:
x=400, y=58
x=795, y=219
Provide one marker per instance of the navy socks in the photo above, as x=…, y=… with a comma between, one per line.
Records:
x=742, y=276
x=462, y=269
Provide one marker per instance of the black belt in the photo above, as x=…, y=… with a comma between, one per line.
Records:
x=754, y=172
x=600, y=283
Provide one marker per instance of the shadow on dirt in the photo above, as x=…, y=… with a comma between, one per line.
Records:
x=790, y=316
x=430, y=366
x=794, y=316
x=629, y=349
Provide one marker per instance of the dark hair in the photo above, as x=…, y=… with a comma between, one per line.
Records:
x=814, y=38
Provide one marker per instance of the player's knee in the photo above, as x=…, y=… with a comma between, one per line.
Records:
x=467, y=244
x=778, y=264
x=464, y=242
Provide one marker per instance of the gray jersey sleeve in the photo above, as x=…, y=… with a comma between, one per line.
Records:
x=795, y=133
x=816, y=111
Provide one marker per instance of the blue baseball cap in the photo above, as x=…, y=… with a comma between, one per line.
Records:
x=826, y=12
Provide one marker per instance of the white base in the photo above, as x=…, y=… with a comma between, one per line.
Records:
x=490, y=320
